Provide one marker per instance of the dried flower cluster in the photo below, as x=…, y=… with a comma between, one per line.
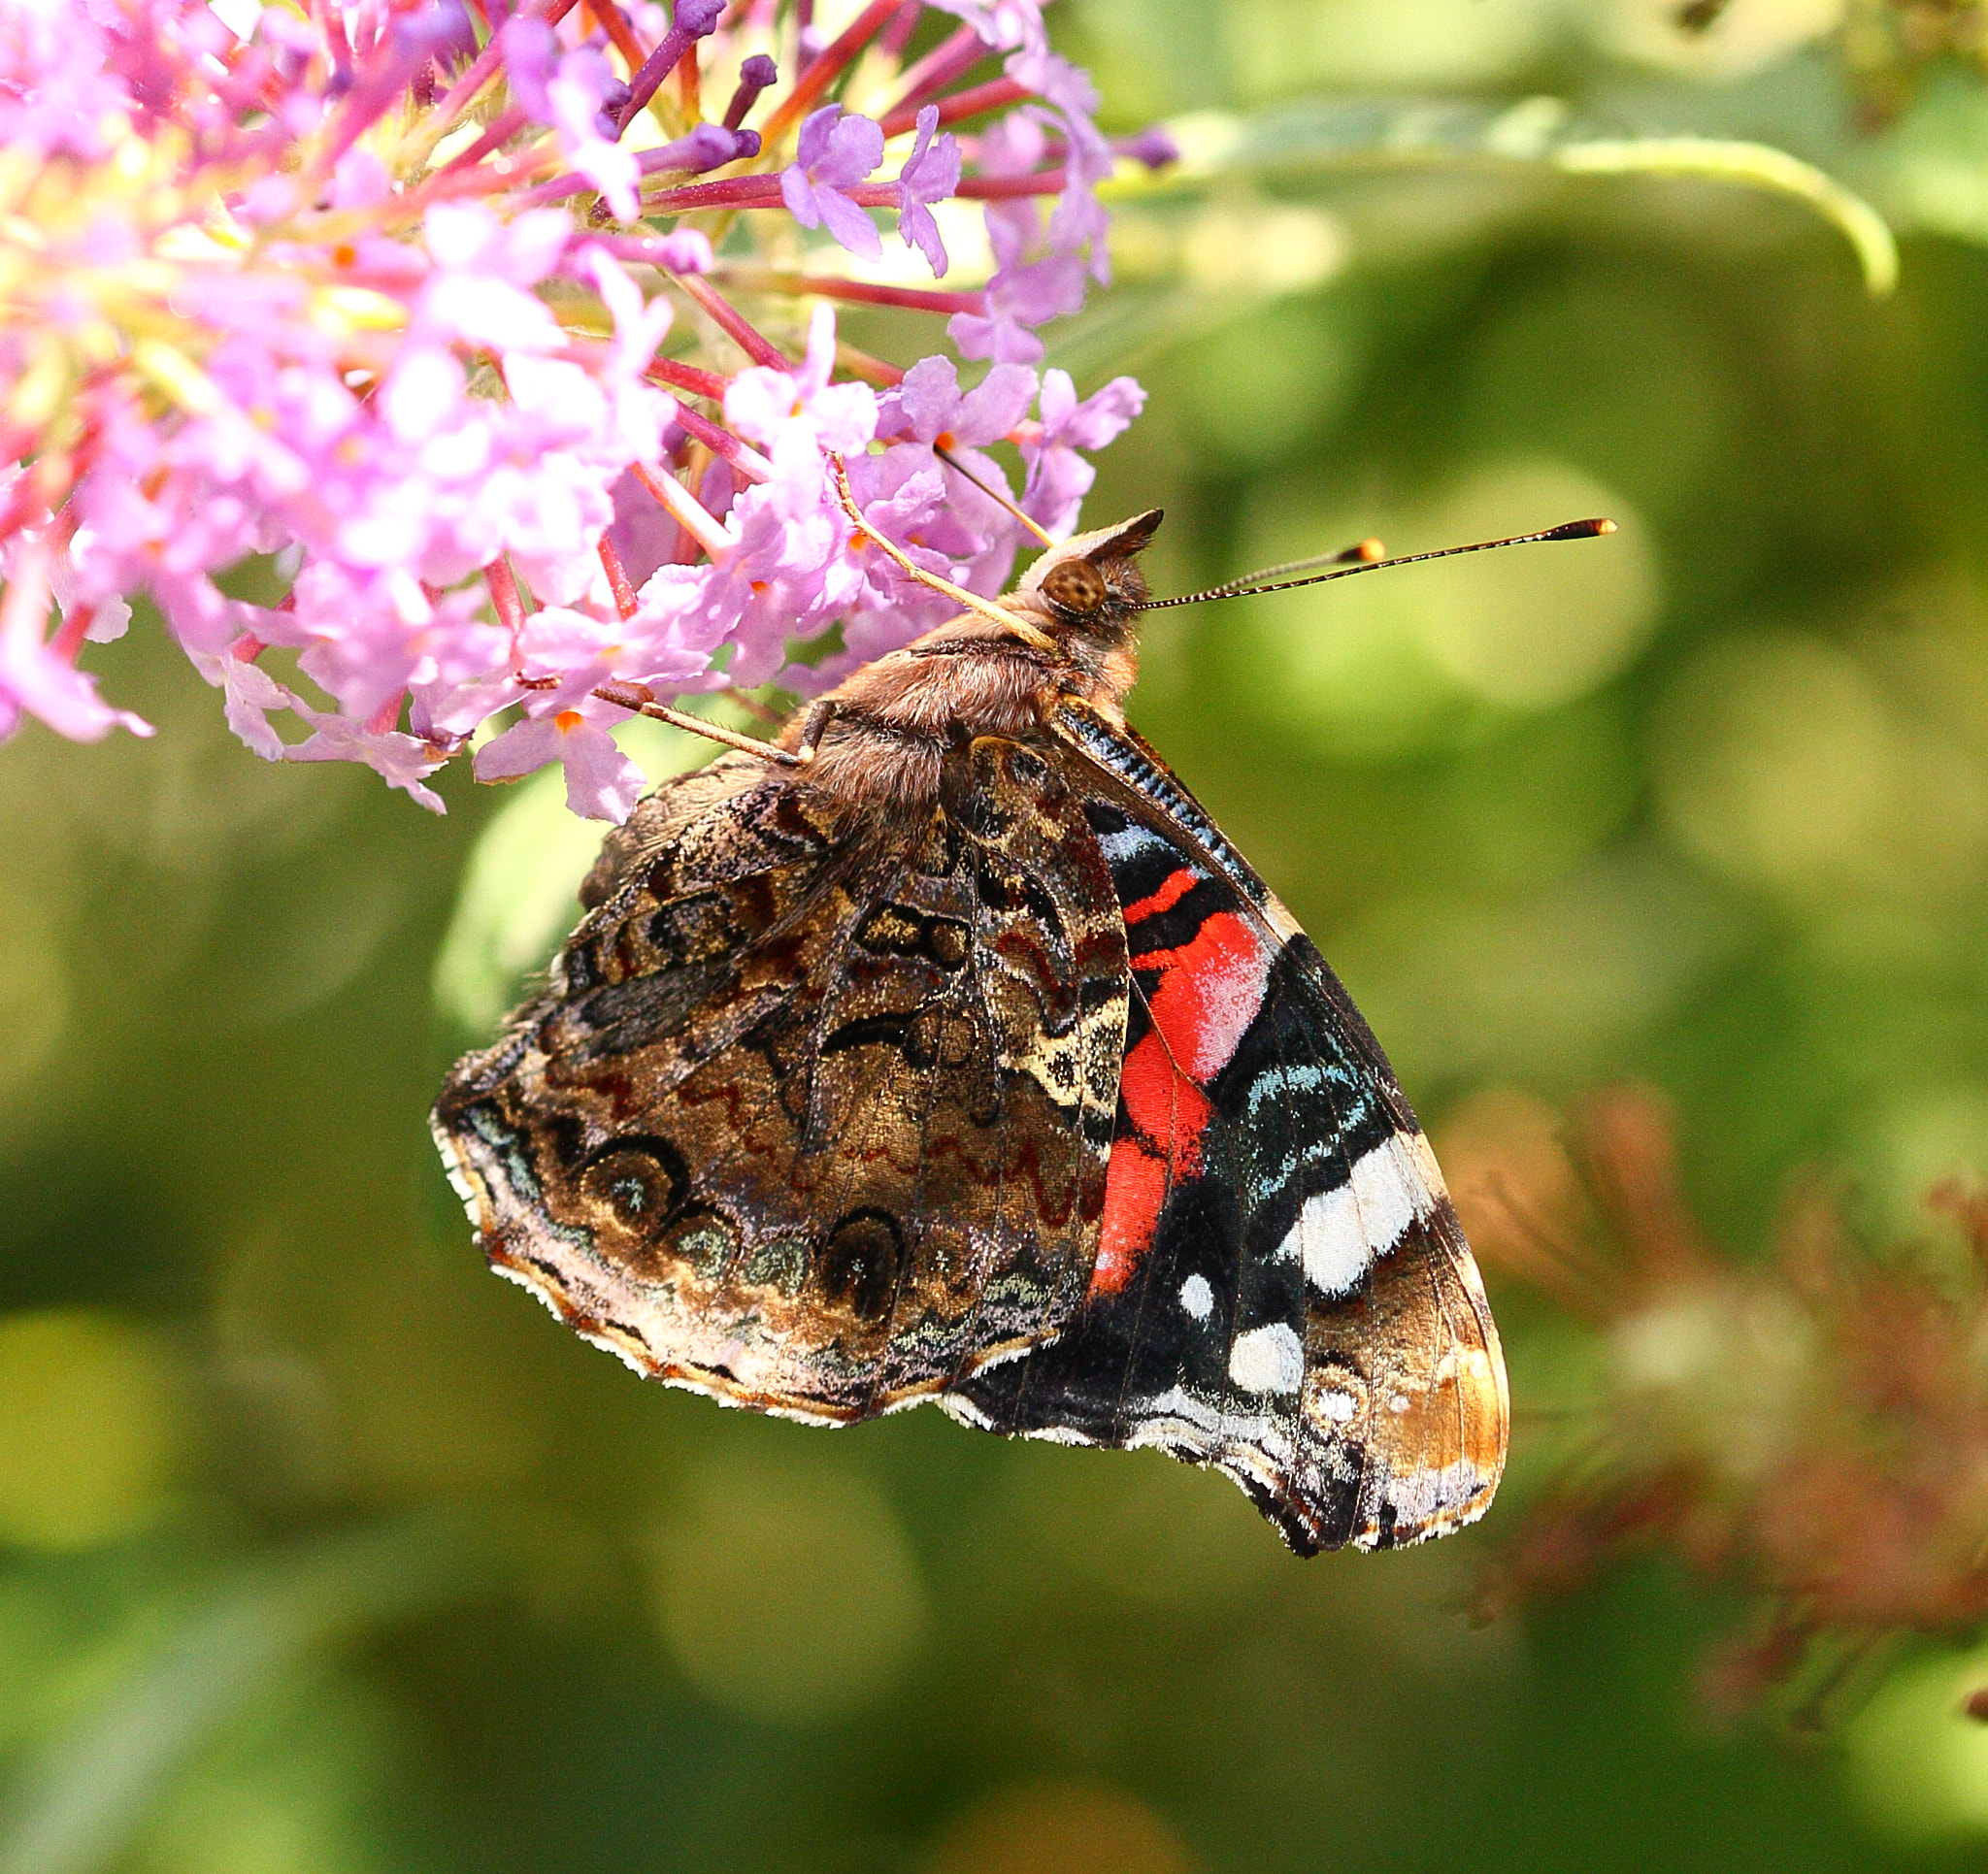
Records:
x=1810, y=1428
x=461, y=315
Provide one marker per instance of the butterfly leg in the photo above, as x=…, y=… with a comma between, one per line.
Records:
x=999, y=614
x=639, y=698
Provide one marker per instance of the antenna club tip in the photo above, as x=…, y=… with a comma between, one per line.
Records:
x=1581, y=530
x=1368, y=550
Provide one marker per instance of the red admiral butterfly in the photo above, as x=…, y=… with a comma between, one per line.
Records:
x=945, y=1050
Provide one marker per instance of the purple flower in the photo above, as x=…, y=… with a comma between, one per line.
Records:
x=931, y=174
x=481, y=269
x=1153, y=146
x=416, y=374
x=400, y=761
x=576, y=96
x=928, y=410
x=1058, y=477
x=930, y=405
x=834, y=152
x=33, y=678
x=686, y=252
x=1001, y=23
x=250, y=692
x=764, y=586
x=708, y=146
x=1020, y=298
x=799, y=414
x=528, y=48
x=601, y=783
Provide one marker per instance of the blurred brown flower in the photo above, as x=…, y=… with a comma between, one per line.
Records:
x=1810, y=1428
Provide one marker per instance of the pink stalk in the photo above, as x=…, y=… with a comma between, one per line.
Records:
x=508, y=123
x=686, y=509
x=687, y=377
x=970, y=103
x=828, y=67
x=619, y=583
x=896, y=36
x=484, y=67
x=919, y=299
x=24, y=607
x=747, y=460
x=1002, y=188
x=331, y=24
x=503, y=584
x=383, y=720
x=491, y=177
x=871, y=371
x=75, y=627
x=727, y=192
x=616, y=24
x=944, y=62
x=755, y=345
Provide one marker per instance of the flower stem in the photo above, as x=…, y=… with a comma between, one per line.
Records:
x=919, y=299
x=1002, y=188
x=687, y=377
x=755, y=345
x=685, y=508
x=959, y=53
x=991, y=96
x=503, y=584
x=723, y=444
x=625, y=601
x=828, y=67
x=614, y=24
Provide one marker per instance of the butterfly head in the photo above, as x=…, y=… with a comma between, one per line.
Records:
x=1091, y=585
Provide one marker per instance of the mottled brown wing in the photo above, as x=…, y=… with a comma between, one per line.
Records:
x=815, y=1109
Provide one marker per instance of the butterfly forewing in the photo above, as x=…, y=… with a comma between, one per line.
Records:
x=816, y=1110
x=1281, y=1288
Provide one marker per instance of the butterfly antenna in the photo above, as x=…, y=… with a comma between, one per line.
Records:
x=953, y=462
x=1366, y=552
x=1573, y=530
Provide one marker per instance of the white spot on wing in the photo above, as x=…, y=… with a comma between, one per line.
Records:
x=1331, y=1240
x=1339, y=1407
x=1268, y=1360
x=1197, y=1297
x=1339, y=1233
x=1122, y=844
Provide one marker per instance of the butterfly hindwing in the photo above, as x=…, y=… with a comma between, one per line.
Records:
x=815, y=1111
x=1281, y=1288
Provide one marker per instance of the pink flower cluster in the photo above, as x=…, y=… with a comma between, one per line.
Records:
x=460, y=323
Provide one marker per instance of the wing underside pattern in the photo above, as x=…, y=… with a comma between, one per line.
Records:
x=1035, y=1102
x=814, y=1116
x=1283, y=1290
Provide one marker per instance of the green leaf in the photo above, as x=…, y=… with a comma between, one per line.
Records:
x=1350, y=135
x=91, y=1789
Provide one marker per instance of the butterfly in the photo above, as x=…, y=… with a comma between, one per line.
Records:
x=945, y=1051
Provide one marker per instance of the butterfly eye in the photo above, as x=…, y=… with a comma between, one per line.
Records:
x=1076, y=585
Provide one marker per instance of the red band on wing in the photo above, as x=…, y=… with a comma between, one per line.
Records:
x=1178, y=884
x=1208, y=993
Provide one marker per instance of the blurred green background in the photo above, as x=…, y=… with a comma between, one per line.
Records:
x=324, y=1553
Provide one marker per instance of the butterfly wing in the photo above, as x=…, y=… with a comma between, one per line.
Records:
x=1281, y=1288
x=815, y=1111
